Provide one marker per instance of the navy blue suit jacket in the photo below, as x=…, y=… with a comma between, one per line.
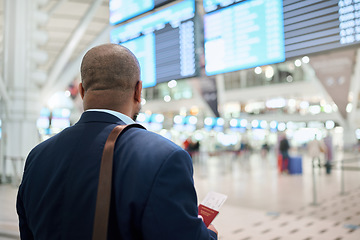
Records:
x=153, y=195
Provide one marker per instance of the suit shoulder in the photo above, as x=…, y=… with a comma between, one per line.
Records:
x=147, y=139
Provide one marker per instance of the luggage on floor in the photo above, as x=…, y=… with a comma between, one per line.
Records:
x=295, y=165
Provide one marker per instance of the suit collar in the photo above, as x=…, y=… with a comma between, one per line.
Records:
x=94, y=116
x=121, y=116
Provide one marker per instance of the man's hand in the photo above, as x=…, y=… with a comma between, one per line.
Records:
x=212, y=228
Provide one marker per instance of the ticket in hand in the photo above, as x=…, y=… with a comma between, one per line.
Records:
x=210, y=206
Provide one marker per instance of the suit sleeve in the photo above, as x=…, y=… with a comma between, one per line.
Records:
x=171, y=211
x=25, y=233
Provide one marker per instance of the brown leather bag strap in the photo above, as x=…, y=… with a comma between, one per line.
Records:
x=104, y=187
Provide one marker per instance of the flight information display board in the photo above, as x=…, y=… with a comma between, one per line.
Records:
x=244, y=35
x=163, y=42
x=122, y=10
x=309, y=26
x=317, y=26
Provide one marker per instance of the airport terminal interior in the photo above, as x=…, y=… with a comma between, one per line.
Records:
x=227, y=80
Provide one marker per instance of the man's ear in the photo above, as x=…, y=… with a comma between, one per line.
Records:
x=81, y=90
x=138, y=89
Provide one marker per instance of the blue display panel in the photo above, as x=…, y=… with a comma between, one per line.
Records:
x=244, y=35
x=122, y=10
x=164, y=43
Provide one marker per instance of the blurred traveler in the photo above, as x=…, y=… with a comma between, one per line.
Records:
x=329, y=153
x=194, y=149
x=316, y=148
x=188, y=146
x=186, y=143
x=244, y=150
x=284, y=147
x=265, y=148
x=153, y=194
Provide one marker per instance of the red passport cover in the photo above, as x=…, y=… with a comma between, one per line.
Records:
x=208, y=214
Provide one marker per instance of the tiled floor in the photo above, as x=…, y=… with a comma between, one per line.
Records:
x=261, y=204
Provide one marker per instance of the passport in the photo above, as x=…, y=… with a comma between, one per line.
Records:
x=210, y=206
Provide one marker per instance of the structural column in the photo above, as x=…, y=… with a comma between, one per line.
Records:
x=21, y=110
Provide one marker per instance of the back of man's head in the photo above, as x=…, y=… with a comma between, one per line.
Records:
x=109, y=67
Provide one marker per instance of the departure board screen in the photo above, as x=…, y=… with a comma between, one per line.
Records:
x=122, y=10
x=163, y=42
x=317, y=26
x=244, y=35
x=310, y=26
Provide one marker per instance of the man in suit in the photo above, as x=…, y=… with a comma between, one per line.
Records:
x=153, y=194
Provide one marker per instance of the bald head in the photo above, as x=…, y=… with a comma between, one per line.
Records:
x=110, y=76
x=109, y=67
